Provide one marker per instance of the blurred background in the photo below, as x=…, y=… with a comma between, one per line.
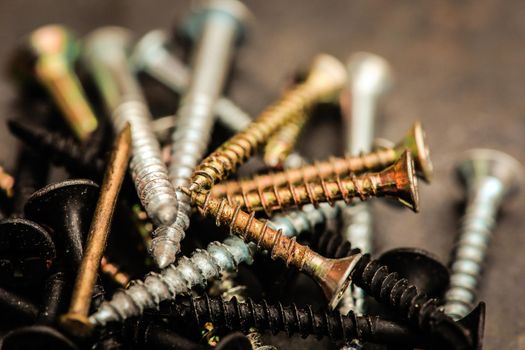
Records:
x=458, y=68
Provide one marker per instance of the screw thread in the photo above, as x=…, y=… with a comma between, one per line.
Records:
x=196, y=270
x=291, y=319
x=308, y=219
x=239, y=148
x=420, y=311
x=114, y=272
x=61, y=150
x=332, y=168
x=333, y=245
x=471, y=249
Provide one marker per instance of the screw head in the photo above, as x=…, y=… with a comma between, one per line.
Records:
x=479, y=164
x=402, y=177
x=232, y=9
x=369, y=74
x=328, y=70
x=107, y=44
x=475, y=323
x=26, y=252
x=37, y=337
x=147, y=48
x=414, y=141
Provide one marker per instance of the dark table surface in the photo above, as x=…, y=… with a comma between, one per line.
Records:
x=459, y=69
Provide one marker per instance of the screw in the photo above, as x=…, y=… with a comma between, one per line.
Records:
x=369, y=77
x=397, y=181
x=42, y=335
x=324, y=82
x=218, y=25
x=291, y=319
x=151, y=56
x=114, y=272
x=106, y=57
x=75, y=320
x=54, y=50
x=414, y=141
x=6, y=182
x=489, y=177
x=15, y=306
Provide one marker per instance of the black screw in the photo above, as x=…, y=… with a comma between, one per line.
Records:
x=13, y=306
x=42, y=335
x=276, y=317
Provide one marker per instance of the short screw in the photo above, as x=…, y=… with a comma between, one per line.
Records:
x=152, y=56
x=291, y=319
x=217, y=26
x=106, y=57
x=396, y=181
x=7, y=182
x=55, y=49
x=369, y=77
x=490, y=177
x=75, y=320
x=414, y=141
x=325, y=81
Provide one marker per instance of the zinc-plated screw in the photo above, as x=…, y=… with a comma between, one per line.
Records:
x=414, y=141
x=217, y=26
x=369, y=76
x=55, y=49
x=106, y=57
x=174, y=280
x=152, y=56
x=325, y=81
x=490, y=177
x=397, y=181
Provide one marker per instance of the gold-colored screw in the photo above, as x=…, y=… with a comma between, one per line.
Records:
x=324, y=82
x=282, y=143
x=56, y=50
x=76, y=320
x=114, y=272
x=397, y=181
x=333, y=275
x=7, y=182
x=414, y=141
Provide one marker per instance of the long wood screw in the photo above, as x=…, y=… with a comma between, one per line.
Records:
x=76, y=320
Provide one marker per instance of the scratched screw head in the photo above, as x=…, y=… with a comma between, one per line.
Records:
x=26, y=252
x=479, y=164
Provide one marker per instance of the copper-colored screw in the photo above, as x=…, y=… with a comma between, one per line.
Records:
x=282, y=143
x=7, y=182
x=414, y=141
x=397, y=181
x=333, y=275
x=326, y=79
x=56, y=49
x=76, y=320
x=114, y=272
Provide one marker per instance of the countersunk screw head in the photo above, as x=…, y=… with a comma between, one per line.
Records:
x=369, y=73
x=107, y=43
x=230, y=9
x=414, y=141
x=479, y=164
x=149, y=46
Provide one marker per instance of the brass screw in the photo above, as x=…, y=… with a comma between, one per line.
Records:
x=56, y=50
x=7, y=182
x=398, y=181
x=76, y=320
x=325, y=81
x=282, y=143
x=333, y=275
x=414, y=141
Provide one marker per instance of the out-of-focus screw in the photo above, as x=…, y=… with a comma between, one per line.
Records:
x=7, y=182
x=151, y=56
x=55, y=50
x=17, y=306
x=114, y=272
x=490, y=177
x=75, y=320
x=216, y=27
x=414, y=141
x=396, y=181
x=369, y=76
x=325, y=81
x=106, y=57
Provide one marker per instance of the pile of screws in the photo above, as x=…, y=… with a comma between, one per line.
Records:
x=62, y=288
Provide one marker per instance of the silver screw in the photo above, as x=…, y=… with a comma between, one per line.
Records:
x=152, y=57
x=106, y=57
x=369, y=77
x=489, y=177
x=216, y=27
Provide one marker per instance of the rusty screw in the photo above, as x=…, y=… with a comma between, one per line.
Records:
x=55, y=49
x=397, y=181
x=75, y=320
x=325, y=81
x=414, y=141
